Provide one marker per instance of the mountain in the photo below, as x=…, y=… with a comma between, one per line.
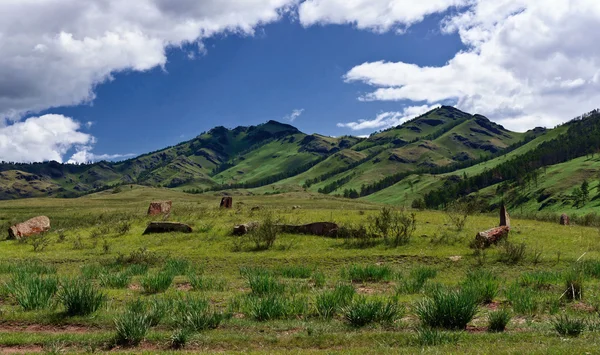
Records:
x=433, y=159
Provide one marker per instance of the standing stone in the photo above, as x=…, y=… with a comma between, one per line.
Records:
x=564, y=220
x=504, y=217
x=226, y=202
x=160, y=207
x=28, y=228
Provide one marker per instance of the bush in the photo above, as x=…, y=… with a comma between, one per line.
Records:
x=197, y=314
x=295, y=272
x=395, y=227
x=482, y=284
x=156, y=283
x=357, y=237
x=328, y=303
x=451, y=310
x=32, y=291
x=568, y=326
x=115, y=279
x=132, y=327
x=368, y=273
x=432, y=337
x=498, y=320
x=417, y=278
x=80, y=297
x=265, y=234
x=176, y=266
x=512, y=254
x=362, y=312
x=39, y=242
x=573, y=285
x=458, y=212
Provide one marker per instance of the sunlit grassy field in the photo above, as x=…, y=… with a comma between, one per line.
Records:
x=223, y=295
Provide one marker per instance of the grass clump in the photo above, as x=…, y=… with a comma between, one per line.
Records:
x=176, y=266
x=449, y=309
x=295, y=272
x=512, y=254
x=203, y=283
x=328, y=303
x=137, y=269
x=573, y=285
x=498, y=320
x=179, y=338
x=275, y=306
x=433, y=337
x=416, y=280
x=91, y=271
x=538, y=279
x=32, y=291
x=28, y=267
x=362, y=312
x=482, y=284
x=522, y=300
x=115, y=279
x=368, y=273
x=131, y=327
x=79, y=297
x=196, y=314
x=157, y=283
x=566, y=326
x=263, y=283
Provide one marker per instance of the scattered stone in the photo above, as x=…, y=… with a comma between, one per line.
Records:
x=242, y=229
x=295, y=207
x=564, y=220
x=318, y=228
x=167, y=227
x=160, y=207
x=30, y=227
x=491, y=236
x=226, y=202
x=504, y=217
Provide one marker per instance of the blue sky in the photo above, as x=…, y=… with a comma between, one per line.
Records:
x=248, y=80
x=102, y=79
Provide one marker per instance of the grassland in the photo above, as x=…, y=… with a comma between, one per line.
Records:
x=99, y=238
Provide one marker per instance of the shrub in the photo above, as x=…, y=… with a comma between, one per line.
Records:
x=156, y=283
x=32, y=291
x=202, y=283
x=573, y=285
x=498, y=320
x=115, y=279
x=328, y=303
x=432, y=337
x=363, y=311
x=522, y=300
x=568, y=326
x=295, y=271
x=123, y=227
x=197, y=314
x=458, y=212
x=512, y=254
x=80, y=297
x=132, y=327
x=451, y=309
x=482, y=284
x=176, y=266
x=395, y=225
x=265, y=234
x=417, y=278
x=372, y=273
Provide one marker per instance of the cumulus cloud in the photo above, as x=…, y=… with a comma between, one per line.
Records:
x=295, y=114
x=84, y=156
x=388, y=119
x=376, y=15
x=527, y=64
x=54, y=52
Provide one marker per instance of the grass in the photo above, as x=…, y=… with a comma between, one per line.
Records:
x=450, y=309
x=567, y=326
x=483, y=284
x=196, y=314
x=80, y=297
x=416, y=280
x=131, y=328
x=363, y=311
x=158, y=282
x=368, y=273
x=498, y=320
x=329, y=303
x=32, y=291
x=114, y=279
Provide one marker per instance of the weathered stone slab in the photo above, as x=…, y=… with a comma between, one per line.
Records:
x=167, y=227
x=160, y=207
x=30, y=227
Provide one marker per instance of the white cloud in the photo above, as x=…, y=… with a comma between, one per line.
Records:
x=84, y=156
x=388, y=119
x=376, y=15
x=295, y=114
x=54, y=52
x=528, y=63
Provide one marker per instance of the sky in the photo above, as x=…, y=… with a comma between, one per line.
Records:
x=83, y=81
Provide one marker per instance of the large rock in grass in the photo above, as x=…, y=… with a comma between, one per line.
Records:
x=318, y=228
x=160, y=207
x=242, y=229
x=28, y=228
x=226, y=202
x=564, y=220
x=167, y=227
x=491, y=236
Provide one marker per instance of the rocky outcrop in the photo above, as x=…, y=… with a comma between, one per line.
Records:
x=160, y=207
x=28, y=228
x=167, y=227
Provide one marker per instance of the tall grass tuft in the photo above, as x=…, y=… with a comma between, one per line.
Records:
x=416, y=280
x=482, y=284
x=132, y=327
x=567, y=326
x=275, y=306
x=80, y=297
x=539, y=279
x=176, y=266
x=498, y=320
x=203, y=283
x=573, y=285
x=263, y=283
x=28, y=267
x=433, y=337
x=450, y=309
x=196, y=314
x=157, y=283
x=32, y=291
x=115, y=279
x=368, y=273
x=295, y=272
x=328, y=303
x=522, y=300
x=362, y=311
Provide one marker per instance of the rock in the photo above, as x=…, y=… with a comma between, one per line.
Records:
x=242, y=229
x=28, y=228
x=160, y=207
x=504, y=217
x=226, y=202
x=564, y=220
x=491, y=236
x=318, y=228
x=166, y=227
x=296, y=207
